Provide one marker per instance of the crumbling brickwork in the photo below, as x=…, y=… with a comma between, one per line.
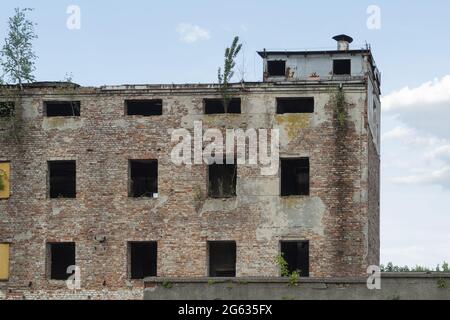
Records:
x=374, y=205
x=334, y=217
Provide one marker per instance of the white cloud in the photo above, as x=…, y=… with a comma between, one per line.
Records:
x=426, y=107
x=437, y=177
x=398, y=133
x=405, y=134
x=416, y=173
x=441, y=152
x=422, y=157
x=192, y=33
x=431, y=92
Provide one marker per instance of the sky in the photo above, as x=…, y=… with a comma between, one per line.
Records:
x=119, y=42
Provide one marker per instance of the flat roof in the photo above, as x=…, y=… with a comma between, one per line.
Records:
x=203, y=88
x=264, y=54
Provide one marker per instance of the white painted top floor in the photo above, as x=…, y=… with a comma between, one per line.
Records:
x=339, y=65
x=319, y=65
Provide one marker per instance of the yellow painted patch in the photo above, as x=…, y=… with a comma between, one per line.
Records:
x=222, y=117
x=62, y=123
x=292, y=123
x=4, y=261
x=292, y=201
x=4, y=175
x=55, y=122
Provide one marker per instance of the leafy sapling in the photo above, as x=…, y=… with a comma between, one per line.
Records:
x=224, y=76
x=17, y=55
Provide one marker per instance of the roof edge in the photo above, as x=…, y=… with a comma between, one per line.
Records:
x=263, y=54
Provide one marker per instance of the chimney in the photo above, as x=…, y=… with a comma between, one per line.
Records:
x=343, y=42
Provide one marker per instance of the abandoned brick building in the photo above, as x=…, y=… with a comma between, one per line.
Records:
x=87, y=180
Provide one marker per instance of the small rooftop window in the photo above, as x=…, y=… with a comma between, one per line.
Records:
x=342, y=67
x=276, y=68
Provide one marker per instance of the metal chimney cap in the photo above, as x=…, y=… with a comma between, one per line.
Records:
x=343, y=37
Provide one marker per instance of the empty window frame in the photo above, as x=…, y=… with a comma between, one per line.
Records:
x=296, y=254
x=295, y=105
x=62, y=108
x=276, y=68
x=61, y=256
x=6, y=109
x=222, y=180
x=146, y=108
x=62, y=179
x=143, y=178
x=4, y=261
x=295, y=177
x=342, y=67
x=142, y=259
x=5, y=171
x=222, y=258
x=216, y=106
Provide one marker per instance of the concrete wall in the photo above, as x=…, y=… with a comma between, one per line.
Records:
x=394, y=286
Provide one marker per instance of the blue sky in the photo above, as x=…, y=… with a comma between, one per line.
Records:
x=183, y=41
